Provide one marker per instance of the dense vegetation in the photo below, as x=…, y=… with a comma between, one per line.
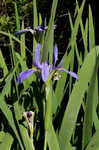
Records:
x=49, y=109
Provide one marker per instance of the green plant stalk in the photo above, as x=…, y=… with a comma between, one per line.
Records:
x=48, y=113
x=45, y=142
x=35, y=23
x=17, y=17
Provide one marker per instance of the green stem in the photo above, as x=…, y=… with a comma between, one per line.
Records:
x=45, y=142
x=48, y=113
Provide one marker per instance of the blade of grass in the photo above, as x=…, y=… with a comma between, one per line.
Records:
x=12, y=36
x=52, y=138
x=3, y=64
x=6, y=142
x=84, y=32
x=17, y=17
x=91, y=31
x=35, y=17
x=12, y=54
x=61, y=83
x=85, y=36
x=35, y=23
x=4, y=107
x=75, y=100
x=16, y=39
x=48, y=43
x=88, y=115
x=13, y=61
x=76, y=25
x=23, y=53
x=95, y=117
x=94, y=142
x=5, y=70
x=76, y=50
x=23, y=56
x=59, y=92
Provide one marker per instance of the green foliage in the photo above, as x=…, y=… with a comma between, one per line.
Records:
x=4, y=22
x=66, y=112
x=6, y=141
x=93, y=144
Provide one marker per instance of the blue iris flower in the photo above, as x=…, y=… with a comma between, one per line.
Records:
x=40, y=29
x=44, y=68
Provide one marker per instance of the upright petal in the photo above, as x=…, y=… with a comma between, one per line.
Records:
x=45, y=71
x=55, y=55
x=42, y=26
x=43, y=23
x=37, y=56
x=69, y=72
x=23, y=75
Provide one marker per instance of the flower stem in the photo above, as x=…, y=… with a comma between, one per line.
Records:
x=48, y=112
x=45, y=142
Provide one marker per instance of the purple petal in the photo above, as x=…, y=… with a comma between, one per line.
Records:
x=39, y=28
x=23, y=75
x=29, y=114
x=55, y=55
x=31, y=30
x=24, y=31
x=69, y=72
x=21, y=32
x=46, y=70
x=37, y=56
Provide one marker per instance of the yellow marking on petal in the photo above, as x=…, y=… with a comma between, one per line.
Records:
x=50, y=77
x=38, y=70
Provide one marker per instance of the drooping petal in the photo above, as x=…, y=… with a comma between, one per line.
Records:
x=23, y=75
x=55, y=55
x=21, y=32
x=69, y=72
x=24, y=31
x=31, y=30
x=37, y=56
x=46, y=70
